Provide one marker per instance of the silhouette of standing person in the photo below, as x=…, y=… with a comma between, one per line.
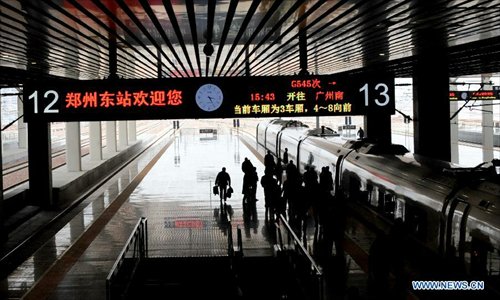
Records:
x=223, y=180
x=310, y=203
x=291, y=170
x=249, y=191
x=246, y=165
x=269, y=161
x=285, y=156
x=270, y=185
x=361, y=133
x=325, y=192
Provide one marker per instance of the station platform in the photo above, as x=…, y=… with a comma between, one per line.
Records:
x=171, y=185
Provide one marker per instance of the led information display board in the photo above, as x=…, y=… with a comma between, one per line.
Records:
x=474, y=95
x=212, y=97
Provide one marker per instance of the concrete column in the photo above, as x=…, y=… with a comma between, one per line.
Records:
x=132, y=131
x=39, y=134
x=1, y=132
x=111, y=137
x=122, y=135
x=95, y=135
x=487, y=121
x=73, y=147
x=40, y=164
x=378, y=127
x=431, y=90
x=3, y=233
x=454, y=127
x=22, y=133
x=303, y=50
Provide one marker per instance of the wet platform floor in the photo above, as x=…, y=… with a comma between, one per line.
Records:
x=173, y=193
x=171, y=186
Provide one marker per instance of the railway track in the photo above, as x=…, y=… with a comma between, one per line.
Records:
x=17, y=174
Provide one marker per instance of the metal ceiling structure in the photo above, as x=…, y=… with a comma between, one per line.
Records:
x=185, y=38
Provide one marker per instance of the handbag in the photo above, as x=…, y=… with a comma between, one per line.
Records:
x=215, y=190
x=229, y=192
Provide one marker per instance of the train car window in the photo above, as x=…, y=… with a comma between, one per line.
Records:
x=400, y=209
x=356, y=189
x=373, y=195
x=494, y=264
x=366, y=190
x=352, y=183
x=381, y=202
x=364, y=196
x=416, y=220
x=480, y=252
x=389, y=205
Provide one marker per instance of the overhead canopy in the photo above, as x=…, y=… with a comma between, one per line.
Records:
x=190, y=38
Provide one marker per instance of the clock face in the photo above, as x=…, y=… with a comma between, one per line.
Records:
x=209, y=97
x=464, y=95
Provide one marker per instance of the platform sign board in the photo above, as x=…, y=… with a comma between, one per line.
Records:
x=474, y=95
x=212, y=97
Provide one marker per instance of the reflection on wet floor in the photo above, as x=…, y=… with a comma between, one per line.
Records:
x=175, y=196
x=184, y=216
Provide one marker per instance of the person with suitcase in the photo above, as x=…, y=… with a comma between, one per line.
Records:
x=223, y=181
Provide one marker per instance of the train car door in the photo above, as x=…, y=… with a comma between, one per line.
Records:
x=456, y=222
x=337, y=185
x=265, y=138
x=278, y=144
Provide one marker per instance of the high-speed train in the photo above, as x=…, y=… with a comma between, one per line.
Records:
x=453, y=212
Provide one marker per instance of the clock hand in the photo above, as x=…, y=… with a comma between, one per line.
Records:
x=210, y=98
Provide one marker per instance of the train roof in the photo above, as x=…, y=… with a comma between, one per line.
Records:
x=323, y=131
x=288, y=123
x=367, y=147
x=487, y=171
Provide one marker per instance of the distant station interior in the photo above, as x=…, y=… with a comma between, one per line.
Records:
x=381, y=119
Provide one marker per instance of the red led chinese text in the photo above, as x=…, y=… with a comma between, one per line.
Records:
x=108, y=99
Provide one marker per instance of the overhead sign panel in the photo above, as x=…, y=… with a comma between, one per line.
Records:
x=213, y=97
x=475, y=95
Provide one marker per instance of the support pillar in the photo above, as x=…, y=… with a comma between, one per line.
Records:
x=431, y=109
x=95, y=136
x=122, y=135
x=3, y=233
x=111, y=137
x=39, y=134
x=303, y=51
x=487, y=121
x=73, y=147
x=454, y=153
x=378, y=127
x=431, y=105
x=40, y=164
x=22, y=133
x=132, y=131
